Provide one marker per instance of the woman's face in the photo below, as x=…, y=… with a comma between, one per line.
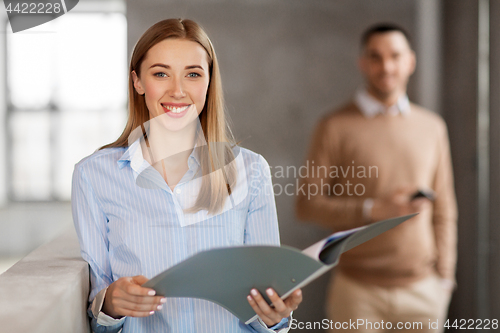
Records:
x=174, y=80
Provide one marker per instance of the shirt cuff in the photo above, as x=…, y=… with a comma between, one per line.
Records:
x=282, y=324
x=367, y=209
x=102, y=318
x=281, y=327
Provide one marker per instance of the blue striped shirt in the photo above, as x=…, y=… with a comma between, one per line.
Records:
x=126, y=228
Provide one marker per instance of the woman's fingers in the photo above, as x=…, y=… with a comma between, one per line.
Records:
x=140, y=307
x=126, y=289
x=261, y=308
x=132, y=286
x=271, y=315
x=140, y=299
x=145, y=300
x=126, y=297
x=279, y=306
x=139, y=279
x=294, y=300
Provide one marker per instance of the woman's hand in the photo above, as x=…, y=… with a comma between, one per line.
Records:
x=282, y=309
x=126, y=297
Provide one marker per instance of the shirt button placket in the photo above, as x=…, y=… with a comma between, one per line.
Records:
x=177, y=200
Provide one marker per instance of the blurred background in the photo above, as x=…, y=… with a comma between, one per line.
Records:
x=284, y=63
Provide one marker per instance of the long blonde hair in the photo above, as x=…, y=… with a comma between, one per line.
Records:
x=219, y=175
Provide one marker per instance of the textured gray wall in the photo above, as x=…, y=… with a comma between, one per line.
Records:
x=460, y=112
x=284, y=64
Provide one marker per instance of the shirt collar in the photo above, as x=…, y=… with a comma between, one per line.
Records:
x=370, y=106
x=134, y=157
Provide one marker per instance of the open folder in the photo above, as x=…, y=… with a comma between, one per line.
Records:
x=226, y=275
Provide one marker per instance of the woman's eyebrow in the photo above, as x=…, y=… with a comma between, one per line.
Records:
x=168, y=67
x=160, y=65
x=194, y=66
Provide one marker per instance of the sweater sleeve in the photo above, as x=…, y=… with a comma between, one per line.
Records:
x=314, y=202
x=445, y=211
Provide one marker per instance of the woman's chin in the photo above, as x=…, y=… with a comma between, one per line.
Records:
x=175, y=124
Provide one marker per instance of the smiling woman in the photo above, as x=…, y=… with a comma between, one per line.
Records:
x=150, y=93
x=176, y=88
x=178, y=143
x=174, y=82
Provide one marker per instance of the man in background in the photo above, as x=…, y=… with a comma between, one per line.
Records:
x=366, y=162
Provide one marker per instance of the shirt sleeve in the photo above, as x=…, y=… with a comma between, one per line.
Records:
x=282, y=327
x=91, y=227
x=313, y=202
x=101, y=322
x=262, y=227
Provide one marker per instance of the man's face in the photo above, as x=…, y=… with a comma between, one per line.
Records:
x=387, y=63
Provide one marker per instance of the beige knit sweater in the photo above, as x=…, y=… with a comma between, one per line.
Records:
x=354, y=158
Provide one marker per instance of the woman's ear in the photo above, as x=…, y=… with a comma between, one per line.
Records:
x=137, y=84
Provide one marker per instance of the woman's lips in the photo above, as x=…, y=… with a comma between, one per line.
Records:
x=175, y=111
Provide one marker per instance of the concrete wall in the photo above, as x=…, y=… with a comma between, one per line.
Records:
x=460, y=104
x=476, y=160
x=494, y=269
x=47, y=290
x=286, y=63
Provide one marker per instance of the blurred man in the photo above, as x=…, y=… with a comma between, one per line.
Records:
x=366, y=162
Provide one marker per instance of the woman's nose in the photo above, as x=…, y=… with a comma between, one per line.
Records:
x=176, y=89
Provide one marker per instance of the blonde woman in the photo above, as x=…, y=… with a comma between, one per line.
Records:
x=173, y=184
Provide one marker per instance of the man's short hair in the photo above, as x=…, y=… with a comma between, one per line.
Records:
x=383, y=28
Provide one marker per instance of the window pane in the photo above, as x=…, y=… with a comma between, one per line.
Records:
x=91, y=62
x=76, y=67
x=31, y=155
x=30, y=63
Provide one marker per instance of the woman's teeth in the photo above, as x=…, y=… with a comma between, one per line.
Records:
x=174, y=109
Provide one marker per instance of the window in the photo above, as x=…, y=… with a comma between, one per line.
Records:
x=67, y=96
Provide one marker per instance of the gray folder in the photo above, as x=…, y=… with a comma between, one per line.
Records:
x=226, y=275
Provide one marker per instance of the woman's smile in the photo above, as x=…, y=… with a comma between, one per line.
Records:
x=176, y=110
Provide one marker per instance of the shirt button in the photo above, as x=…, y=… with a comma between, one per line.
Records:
x=178, y=191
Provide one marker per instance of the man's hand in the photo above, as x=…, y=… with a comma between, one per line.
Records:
x=282, y=309
x=397, y=204
x=126, y=297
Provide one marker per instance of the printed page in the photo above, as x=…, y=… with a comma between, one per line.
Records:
x=314, y=250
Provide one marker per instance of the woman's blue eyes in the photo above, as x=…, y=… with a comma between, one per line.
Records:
x=192, y=75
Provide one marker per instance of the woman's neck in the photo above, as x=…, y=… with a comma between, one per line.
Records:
x=173, y=148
